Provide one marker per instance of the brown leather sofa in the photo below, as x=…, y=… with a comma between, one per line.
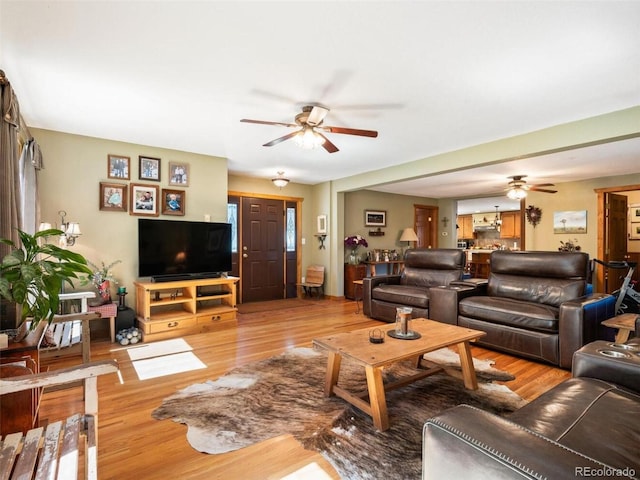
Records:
x=586, y=426
x=423, y=268
x=535, y=306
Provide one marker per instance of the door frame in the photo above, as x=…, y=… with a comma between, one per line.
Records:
x=598, y=280
x=298, y=201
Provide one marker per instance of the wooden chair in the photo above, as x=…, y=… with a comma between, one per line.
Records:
x=44, y=453
x=314, y=280
x=71, y=335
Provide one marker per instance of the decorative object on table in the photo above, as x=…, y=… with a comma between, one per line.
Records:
x=290, y=388
x=402, y=329
x=33, y=274
x=352, y=242
x=143, y=200
x=179, y=174
x=408, y=235
x=149, y=168
x=129, y=336
x=173, y=201
x=122, y=292
x=569, y=246
x=375, y=218
x=118, y=166
x=101, y=278
x=570, y=222
x=113, y=196
x=376, y=336
x=534, y=214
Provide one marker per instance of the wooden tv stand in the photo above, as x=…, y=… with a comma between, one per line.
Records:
x=184, y=307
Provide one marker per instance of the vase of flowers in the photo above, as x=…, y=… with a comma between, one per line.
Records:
x=352, y=242
x=101, y=278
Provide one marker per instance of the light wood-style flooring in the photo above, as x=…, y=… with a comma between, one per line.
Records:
x=134, y=445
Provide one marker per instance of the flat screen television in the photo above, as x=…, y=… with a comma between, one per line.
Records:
x=170, y=249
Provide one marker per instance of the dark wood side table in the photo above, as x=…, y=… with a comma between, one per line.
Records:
x=20, y=410
x=351, y=274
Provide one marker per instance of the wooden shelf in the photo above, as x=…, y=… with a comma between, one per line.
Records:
x=183, y=308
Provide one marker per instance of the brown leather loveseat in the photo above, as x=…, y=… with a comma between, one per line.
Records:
x=585, y=427
x=535, y=305
x=423, y=268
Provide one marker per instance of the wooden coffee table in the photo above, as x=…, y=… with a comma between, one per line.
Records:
x=355, y=346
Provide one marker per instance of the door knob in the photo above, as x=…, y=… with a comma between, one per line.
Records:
x=244, y=255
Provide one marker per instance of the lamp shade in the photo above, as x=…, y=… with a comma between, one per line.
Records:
x=408, y=235
x=73, y=230
x=516, y=193
x=280, y=181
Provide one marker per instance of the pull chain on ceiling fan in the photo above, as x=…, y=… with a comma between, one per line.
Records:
x=309, y=129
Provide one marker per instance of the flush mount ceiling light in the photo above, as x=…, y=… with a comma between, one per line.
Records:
x=280, y=181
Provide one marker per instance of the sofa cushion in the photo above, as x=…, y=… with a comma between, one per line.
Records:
x=593, y=417
x=402, y=294
x=432, y=267
x=515, y=313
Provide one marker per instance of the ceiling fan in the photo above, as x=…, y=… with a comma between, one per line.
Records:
x=309, y=129
x=518, y=187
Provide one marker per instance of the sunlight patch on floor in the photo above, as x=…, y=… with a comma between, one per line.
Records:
x=167, y=365
x=311, y=471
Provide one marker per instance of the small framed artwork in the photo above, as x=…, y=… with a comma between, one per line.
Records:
x=113, y=197
x=149, y=168
x=173, y=201
x=634, y=212
x=179, y=174
x=143, y=200
x=634, y=231
x=118, y=167
x=322, y=224
x=570, y=221
x=375, y=218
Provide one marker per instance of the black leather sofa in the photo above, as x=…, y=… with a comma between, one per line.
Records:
x=535, y=306
x=586, y=427
x=423, y=268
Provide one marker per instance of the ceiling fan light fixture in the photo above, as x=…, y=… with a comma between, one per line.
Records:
x=308, y=139
x=516, y=193
x=280, y=181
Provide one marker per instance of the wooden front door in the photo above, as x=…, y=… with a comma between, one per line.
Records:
x=262, y=249
x=426, y=225
x=615, y=238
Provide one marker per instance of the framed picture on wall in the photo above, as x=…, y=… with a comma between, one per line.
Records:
x=143, y=200
x=149, y=168
x=322, y=224
x=634, y=231
x=634, y=212
x=113, y=197
x=118, y=167
x=179, y=174
x=375, y=218
x=173, y=201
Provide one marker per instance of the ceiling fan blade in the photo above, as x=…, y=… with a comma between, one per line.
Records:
x=351, y=131
x=543, y=185
x=263, y=122
x=281, y=139
x=327, y=145
x=533, y=189
x=316, y=116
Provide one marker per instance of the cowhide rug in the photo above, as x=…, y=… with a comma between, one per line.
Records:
x=284, y=395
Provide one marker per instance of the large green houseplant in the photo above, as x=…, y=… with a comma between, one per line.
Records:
x=33, y=273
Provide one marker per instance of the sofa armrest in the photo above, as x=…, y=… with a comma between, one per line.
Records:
x=610, y=362
x=369, y=283
x=466, y=442
x=443, y=300
x=580, y=321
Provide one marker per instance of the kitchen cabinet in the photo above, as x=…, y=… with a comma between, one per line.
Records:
x=465, y=227
x=352, y=273
x=511, y=224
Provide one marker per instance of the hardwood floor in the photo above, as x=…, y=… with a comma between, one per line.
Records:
x=134, y=445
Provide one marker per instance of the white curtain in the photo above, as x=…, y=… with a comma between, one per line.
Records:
x=30, y=163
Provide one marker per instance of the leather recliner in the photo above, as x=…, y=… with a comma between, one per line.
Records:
x=584, y=427
x=535, y=306
x=423, y=268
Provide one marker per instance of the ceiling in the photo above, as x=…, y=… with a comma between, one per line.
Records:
x=429, y=76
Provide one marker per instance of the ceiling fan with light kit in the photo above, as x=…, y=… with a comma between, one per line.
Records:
x=310, y=128
x=518, y=187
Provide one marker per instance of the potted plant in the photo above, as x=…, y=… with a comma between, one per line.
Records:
x=33, y=273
